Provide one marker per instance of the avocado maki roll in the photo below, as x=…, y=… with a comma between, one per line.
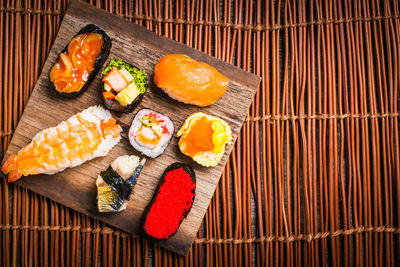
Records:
x=123, y=86
x=171, y=203
x=79, y=62
x=115, y=184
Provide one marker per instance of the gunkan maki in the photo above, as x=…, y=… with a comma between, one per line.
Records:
x=171, y=203
x=123, y=87
x=80, y=60
x=115, y=184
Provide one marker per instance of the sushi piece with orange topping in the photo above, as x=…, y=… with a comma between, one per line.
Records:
x=189, y=81
x=80, y=60
x=150, y=132
x=203, y=138
x=89, y=134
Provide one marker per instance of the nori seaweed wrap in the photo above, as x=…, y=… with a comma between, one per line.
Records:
x=123, y=86
x=115, y=184
x=171, y=202
x=83, y=57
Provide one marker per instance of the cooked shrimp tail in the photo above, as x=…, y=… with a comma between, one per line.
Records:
x=10, y=169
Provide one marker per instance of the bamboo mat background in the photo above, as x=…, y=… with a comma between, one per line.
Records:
x=314, y=177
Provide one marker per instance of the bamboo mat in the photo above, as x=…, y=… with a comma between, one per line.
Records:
x=314, y=177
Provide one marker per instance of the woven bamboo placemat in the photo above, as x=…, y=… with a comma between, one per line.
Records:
x=314, y=177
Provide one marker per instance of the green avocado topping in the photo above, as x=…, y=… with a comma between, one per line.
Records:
x=139, y=76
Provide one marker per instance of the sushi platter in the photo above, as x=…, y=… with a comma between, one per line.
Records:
x=128, y=127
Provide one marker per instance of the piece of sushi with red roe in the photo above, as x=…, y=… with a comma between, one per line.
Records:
x=171, y=202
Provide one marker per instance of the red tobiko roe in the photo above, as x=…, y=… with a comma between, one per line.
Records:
x=174, y=199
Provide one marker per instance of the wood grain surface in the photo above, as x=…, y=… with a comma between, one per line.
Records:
x=75, y=187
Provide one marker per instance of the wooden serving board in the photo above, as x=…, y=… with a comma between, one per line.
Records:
x=75, y=187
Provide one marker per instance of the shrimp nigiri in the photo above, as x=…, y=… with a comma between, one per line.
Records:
x=89, y=134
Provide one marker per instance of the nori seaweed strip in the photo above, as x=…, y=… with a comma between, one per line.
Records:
x=116, y=182
x=116, y=205
x=114, y=105
x=133, y=179
x=171, y=167
x=101, y=58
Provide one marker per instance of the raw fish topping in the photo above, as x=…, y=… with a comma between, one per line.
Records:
x=189, y=81
x=115, y=184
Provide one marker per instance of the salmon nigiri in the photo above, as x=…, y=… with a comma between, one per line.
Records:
x=189, y=81
x=89, y=134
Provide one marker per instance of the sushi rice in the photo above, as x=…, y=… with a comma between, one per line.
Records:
x=89, y=134
x=94, y=114
x=115, y=185
x=139, y=129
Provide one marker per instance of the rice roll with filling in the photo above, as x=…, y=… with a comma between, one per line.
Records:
x=115, y=184
x=123, y=86
x=150, y=132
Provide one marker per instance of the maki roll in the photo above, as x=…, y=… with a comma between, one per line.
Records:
x=150, y=132
x=203, y=138
x=171, y=203
x=123, y=86
x=79, y=62
x=115, y=184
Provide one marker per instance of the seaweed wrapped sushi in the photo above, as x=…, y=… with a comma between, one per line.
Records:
x=123, y=87
x=203, y=138
x=80, y=60
x=115, y=184
x=171, y=203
